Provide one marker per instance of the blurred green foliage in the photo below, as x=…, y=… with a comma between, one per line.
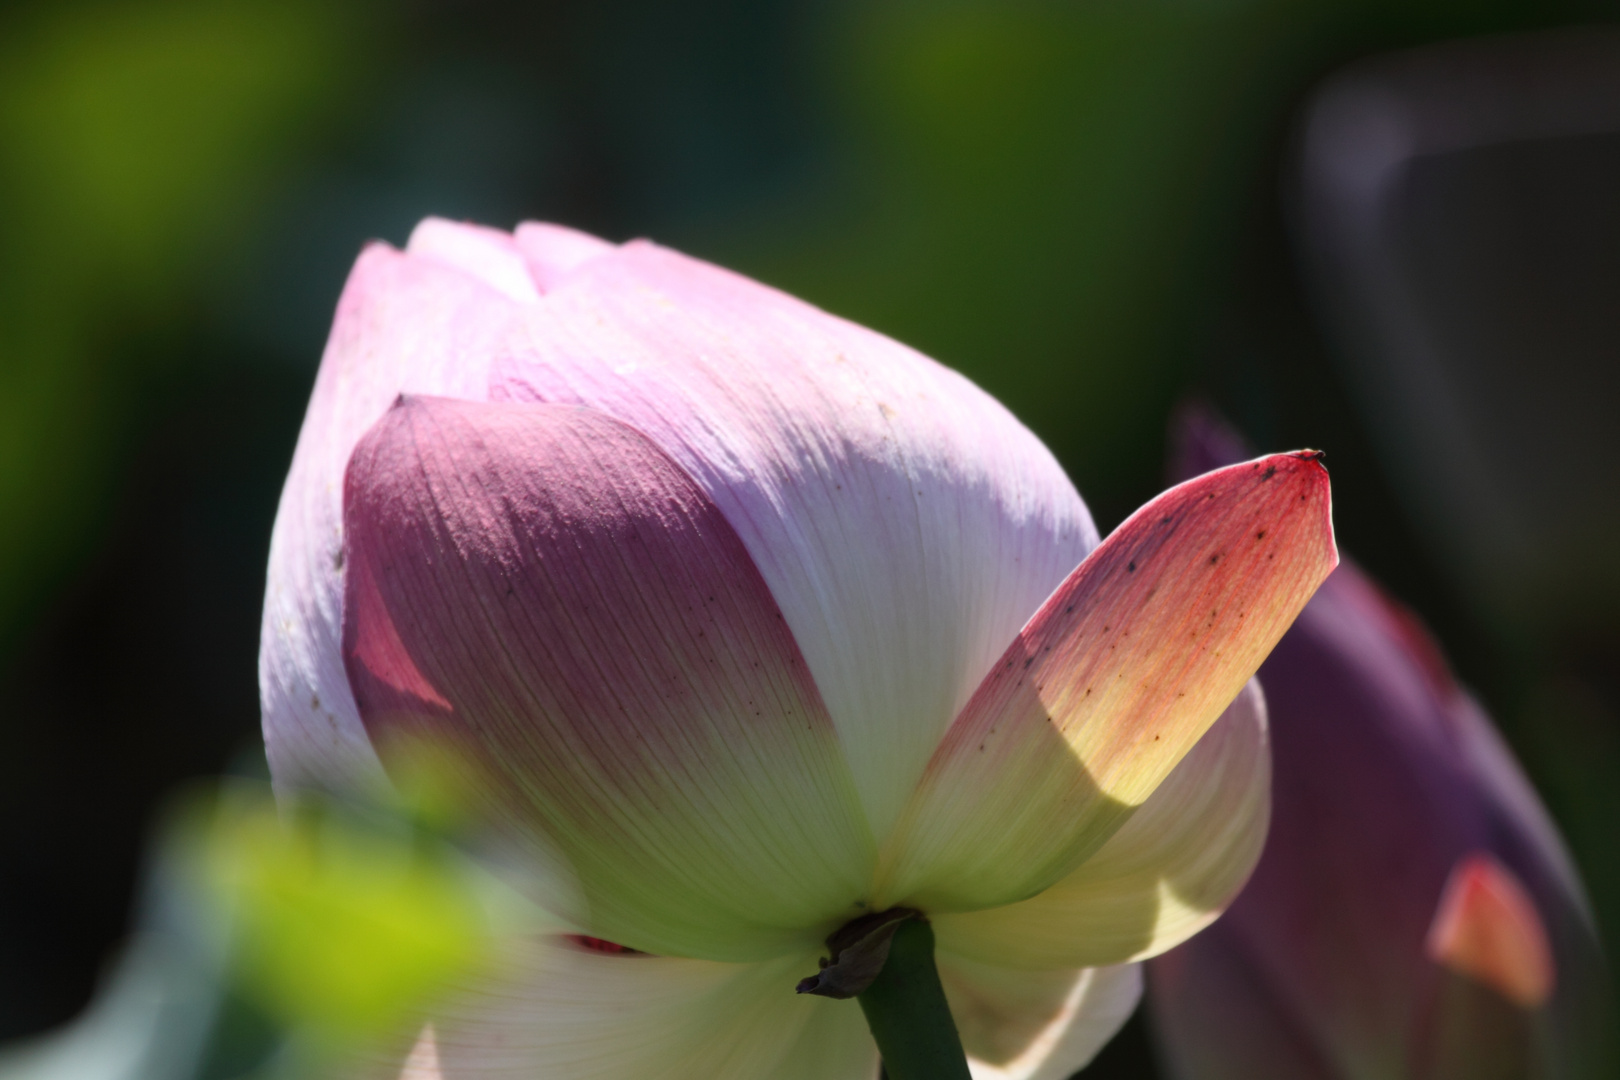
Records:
x=1035, y=179
x=279, y=943
x=338, y=927
x=1050, y=196
x=138, y=143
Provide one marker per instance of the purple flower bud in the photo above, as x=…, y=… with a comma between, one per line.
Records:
x=1414, y=913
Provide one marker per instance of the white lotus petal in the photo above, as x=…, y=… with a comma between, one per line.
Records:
x=1023, y=1025
x=1170, y=871
x=559, y=1011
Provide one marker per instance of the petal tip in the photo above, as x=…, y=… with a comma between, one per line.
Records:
x=1306, y=465
x=488, y=255
x=1486, y=927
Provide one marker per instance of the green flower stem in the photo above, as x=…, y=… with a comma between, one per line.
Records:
x=905, y=1008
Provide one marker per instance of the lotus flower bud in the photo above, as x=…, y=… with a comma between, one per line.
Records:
x=1415, y=915
x=732, y=625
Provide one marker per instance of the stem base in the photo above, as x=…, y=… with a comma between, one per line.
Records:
x=905, y=1008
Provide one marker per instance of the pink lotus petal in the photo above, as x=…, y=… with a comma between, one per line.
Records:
x=905, y=522
x=543, y=595
x=404, y=324
x=553, y=251
x=1117, y=676
x=489, y=255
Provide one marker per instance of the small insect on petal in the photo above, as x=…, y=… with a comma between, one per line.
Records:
x=1111, y=683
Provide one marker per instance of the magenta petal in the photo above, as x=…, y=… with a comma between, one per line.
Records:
x=540, y=591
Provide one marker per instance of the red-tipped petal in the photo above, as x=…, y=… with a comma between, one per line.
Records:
x=1122, y=670
x=1486, y=927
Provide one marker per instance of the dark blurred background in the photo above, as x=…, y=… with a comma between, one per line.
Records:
x=1386, y=228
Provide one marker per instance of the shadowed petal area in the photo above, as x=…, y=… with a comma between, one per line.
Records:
x=404, y=325
x=1378, y=765
x=545, y=597
x=564, y=1013
x=906, y=523
x=1022, y=1025
x=1117, y=676
x=1169, y=871
x=1219, y=1018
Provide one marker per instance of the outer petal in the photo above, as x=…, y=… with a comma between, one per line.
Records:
x=422, y=322
x=905, y=522
x=560, y=1012
x=1165, y=875
x=542, y=593
x=1020, y=1025
x=403, y=325
x=1487, y=927
x=1111, y=683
